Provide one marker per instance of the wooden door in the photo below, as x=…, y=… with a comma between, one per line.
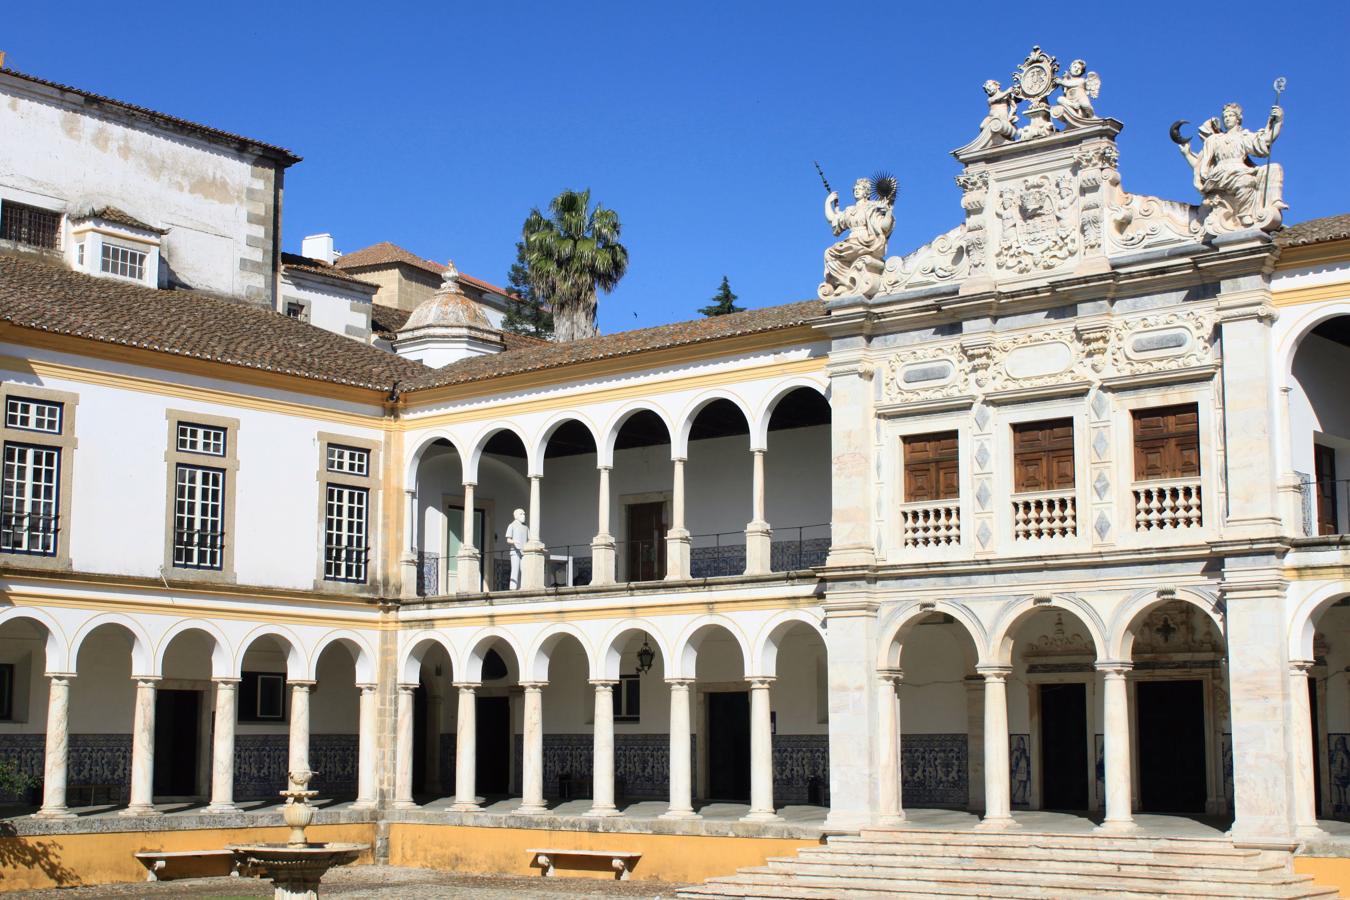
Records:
x=1043, y=456
x=1324, y=467
x=646, y=541
x=932, y=469
x=1167, y=443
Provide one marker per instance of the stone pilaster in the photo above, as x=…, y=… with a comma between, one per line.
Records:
x=851, y=641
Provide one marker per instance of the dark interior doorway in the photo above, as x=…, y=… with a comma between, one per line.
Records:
x=1317, y=757
x=177, y=717
x=729, y=746
x=1064, y=761
x=646, y=541
x=1171, y=717
x=493, y=745
x=419, y=743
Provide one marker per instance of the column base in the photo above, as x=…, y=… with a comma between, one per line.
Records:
x=468, y=572
x=139, y=810
x=892, y=820
x=466, y=806
x=678, y=555
x=679, y=814
x=997, y=823
x=602, y=560
x=221, y=808
x=761, y=816
x=1117, y=826
x=532, y=567
x=758, y=549
x=1310, y=833
x=536, y=809
x=404, y=804
x=54, y=812
x=602, y=812
x=365, y=805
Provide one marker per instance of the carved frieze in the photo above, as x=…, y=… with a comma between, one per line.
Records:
x=1037, y=224
x=1163, y=342
x=1176, y=627
x=942, y=260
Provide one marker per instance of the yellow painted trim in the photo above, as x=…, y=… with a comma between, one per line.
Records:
x=1327, y=871
x=1313, y=254
x=187, y=610
x=800, y=335
x=620, y=606
x=615, y=394
x=675, y=858
x=1317, y=573
x=1317, y=293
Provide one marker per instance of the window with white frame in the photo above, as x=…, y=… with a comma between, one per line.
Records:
x=348, y=460
x=33, y=415
x=199, y=517
x=346, y=547
x=201, y=439
x=29, y=511
x=295, y=310
x=628, y=699
x=123, y=262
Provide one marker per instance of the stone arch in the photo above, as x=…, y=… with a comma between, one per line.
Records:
x=684, y=660
x=358, y=646
x=1303, y=624
x=424, y=444
x=221, y=650
x=759, y=425
x=58, y=658
x=1014, y=613
x=142, y=655
x=415, y=650
x=478, y=647
x=534, y=667
x=770, y=637
x=607, y=661
x=536, y=450
x=679, y=444
x=896, y=627
x=480, y=441
x=1133, y=610
x=296, y=669
x=1300, y=325
x=616, y=423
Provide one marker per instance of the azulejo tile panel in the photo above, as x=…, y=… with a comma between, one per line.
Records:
x=25, y=753
x=260, y=765
x=1338, y=769
x=801, y=768
x=641, y=765
x=333, y=757
x=1019, y=764
x=99, y=759
x=935, y=770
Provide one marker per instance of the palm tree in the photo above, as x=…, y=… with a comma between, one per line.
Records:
x=572, y=253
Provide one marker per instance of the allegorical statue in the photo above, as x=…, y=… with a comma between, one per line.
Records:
x=1238, y=194
x=517, y=536
x=1079, y=88
x=853, y=265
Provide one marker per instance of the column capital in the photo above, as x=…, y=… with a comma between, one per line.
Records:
x=408, y=686
x=894, y=676
x=468, y=484
x=469, y=686
x=411, y=492
x=994, y=673
x=603, y=684
x=761, y=681
x=1301, y=666
x=367, y=687
x=146, y=680
x=1113, y=668
x=63, y=676
x=681, y=683
x=533, y=685
x=605, y=467
x=301, y=684
x=227, y=682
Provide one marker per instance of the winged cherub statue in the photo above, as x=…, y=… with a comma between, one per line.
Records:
x=1079, y=88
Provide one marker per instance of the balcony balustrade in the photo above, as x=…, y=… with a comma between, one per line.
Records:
x=1044, y=515
x=932, y=523
x=1167, y=505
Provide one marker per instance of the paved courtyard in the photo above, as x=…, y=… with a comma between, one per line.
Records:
x=362, y=882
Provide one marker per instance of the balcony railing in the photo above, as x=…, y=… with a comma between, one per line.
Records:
x=1325, y=501
x=932, y=523
x=24, y=532
x=1045, y=514
x=1167, y=505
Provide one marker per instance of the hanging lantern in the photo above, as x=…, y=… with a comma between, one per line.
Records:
x=646, y=655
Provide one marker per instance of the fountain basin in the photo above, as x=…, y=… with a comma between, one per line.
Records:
x=294, y=870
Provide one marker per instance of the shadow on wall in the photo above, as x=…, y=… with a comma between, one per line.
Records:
x=27, y=854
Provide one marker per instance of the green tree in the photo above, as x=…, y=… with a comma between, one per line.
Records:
x=571, y=254
x=723, y=302
x=526, y=313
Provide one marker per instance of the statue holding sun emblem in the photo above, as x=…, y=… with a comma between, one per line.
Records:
x=854, y=264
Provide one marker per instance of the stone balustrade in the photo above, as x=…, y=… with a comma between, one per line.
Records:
x=1045, y=514
x=1164, y=505
x=934, y=523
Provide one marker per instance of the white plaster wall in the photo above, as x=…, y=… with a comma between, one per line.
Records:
x=933, y=694
x=332, y=308
x=1335, y=628
x=1317, y=403
x=103, y=696
x=24, y=646
x=334, y=704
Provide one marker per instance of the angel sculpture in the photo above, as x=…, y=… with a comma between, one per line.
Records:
x=853, y=265
x=1000, y=124
x=1080, y=87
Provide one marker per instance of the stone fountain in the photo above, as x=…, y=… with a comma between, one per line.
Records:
x=296, y=866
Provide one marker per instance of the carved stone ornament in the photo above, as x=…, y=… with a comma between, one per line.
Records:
x=1176, y=627
x=1237, y=194
x=853, y=265
x=944, y=259
x=1165, y=342
x=1060, y=642
x=1037, y=227
x=1032, y=83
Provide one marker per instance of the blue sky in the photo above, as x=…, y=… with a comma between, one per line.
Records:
x=438, y=126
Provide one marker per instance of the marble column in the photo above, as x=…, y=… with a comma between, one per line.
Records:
x=1300, y=724
x=222, y=746
x=602, y=765
x=410, y=561
x=532, y=564
x=466, y=747
x=677, y=538
x=681, y=754
x=890, y=808
x=997, y=777
x=298, y=760
x=56, y=761
x=469, y=561
x=143, y=750
x=1116, y=746
x=602, y=547
x=403, y=747
x=366, y=747
x=532, y=747
x=761, y=753
x=758, y=535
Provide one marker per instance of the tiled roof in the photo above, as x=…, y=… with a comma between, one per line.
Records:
x=387, y=254
x=45, y=296
x=1315, y=231
x=385, y=321
x=120, y=217
x=319, y=267
x=607, y=346
x=286, y=157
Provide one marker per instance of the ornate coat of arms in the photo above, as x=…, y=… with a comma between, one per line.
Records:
x=1037, y=231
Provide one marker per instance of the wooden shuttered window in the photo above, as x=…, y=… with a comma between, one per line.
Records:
x=1043, y=456
x=932, y=469
x=1167, y=443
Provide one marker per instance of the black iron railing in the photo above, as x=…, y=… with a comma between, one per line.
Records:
x=29, y=533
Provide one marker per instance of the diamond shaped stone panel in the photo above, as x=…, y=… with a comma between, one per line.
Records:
x=1102, y=525
x=1101, y=443
x=1101, y=485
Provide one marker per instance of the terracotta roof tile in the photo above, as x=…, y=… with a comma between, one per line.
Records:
x=120, y=217
x=385, y=321
x=286, y=157
x=386, y=253
x=44, y=296
x=607, y=346
x=1315, y=231
x=319, y=267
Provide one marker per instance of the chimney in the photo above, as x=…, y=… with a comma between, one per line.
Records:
x=320, y=247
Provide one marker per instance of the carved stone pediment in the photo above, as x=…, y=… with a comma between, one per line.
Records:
x=1177, y=627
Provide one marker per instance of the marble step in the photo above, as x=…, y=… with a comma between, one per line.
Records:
x=1015, y=837
x=1245, y=859
x=1068, y=862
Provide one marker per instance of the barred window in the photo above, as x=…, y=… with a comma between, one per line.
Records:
x=201, y=439
x=123, y=261
x=348, y=460
x=28, y=499
x=33, y=415
x=30, y=225
x=198, y=518
x=346, y=547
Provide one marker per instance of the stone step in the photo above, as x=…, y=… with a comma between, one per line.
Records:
x=1077, y=862
x=1017, y=837
x=1245, y=859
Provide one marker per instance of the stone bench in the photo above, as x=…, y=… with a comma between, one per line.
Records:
x=162, y=865
x=620, y=861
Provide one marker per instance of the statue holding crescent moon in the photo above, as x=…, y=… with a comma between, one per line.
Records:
x=1238, y=194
